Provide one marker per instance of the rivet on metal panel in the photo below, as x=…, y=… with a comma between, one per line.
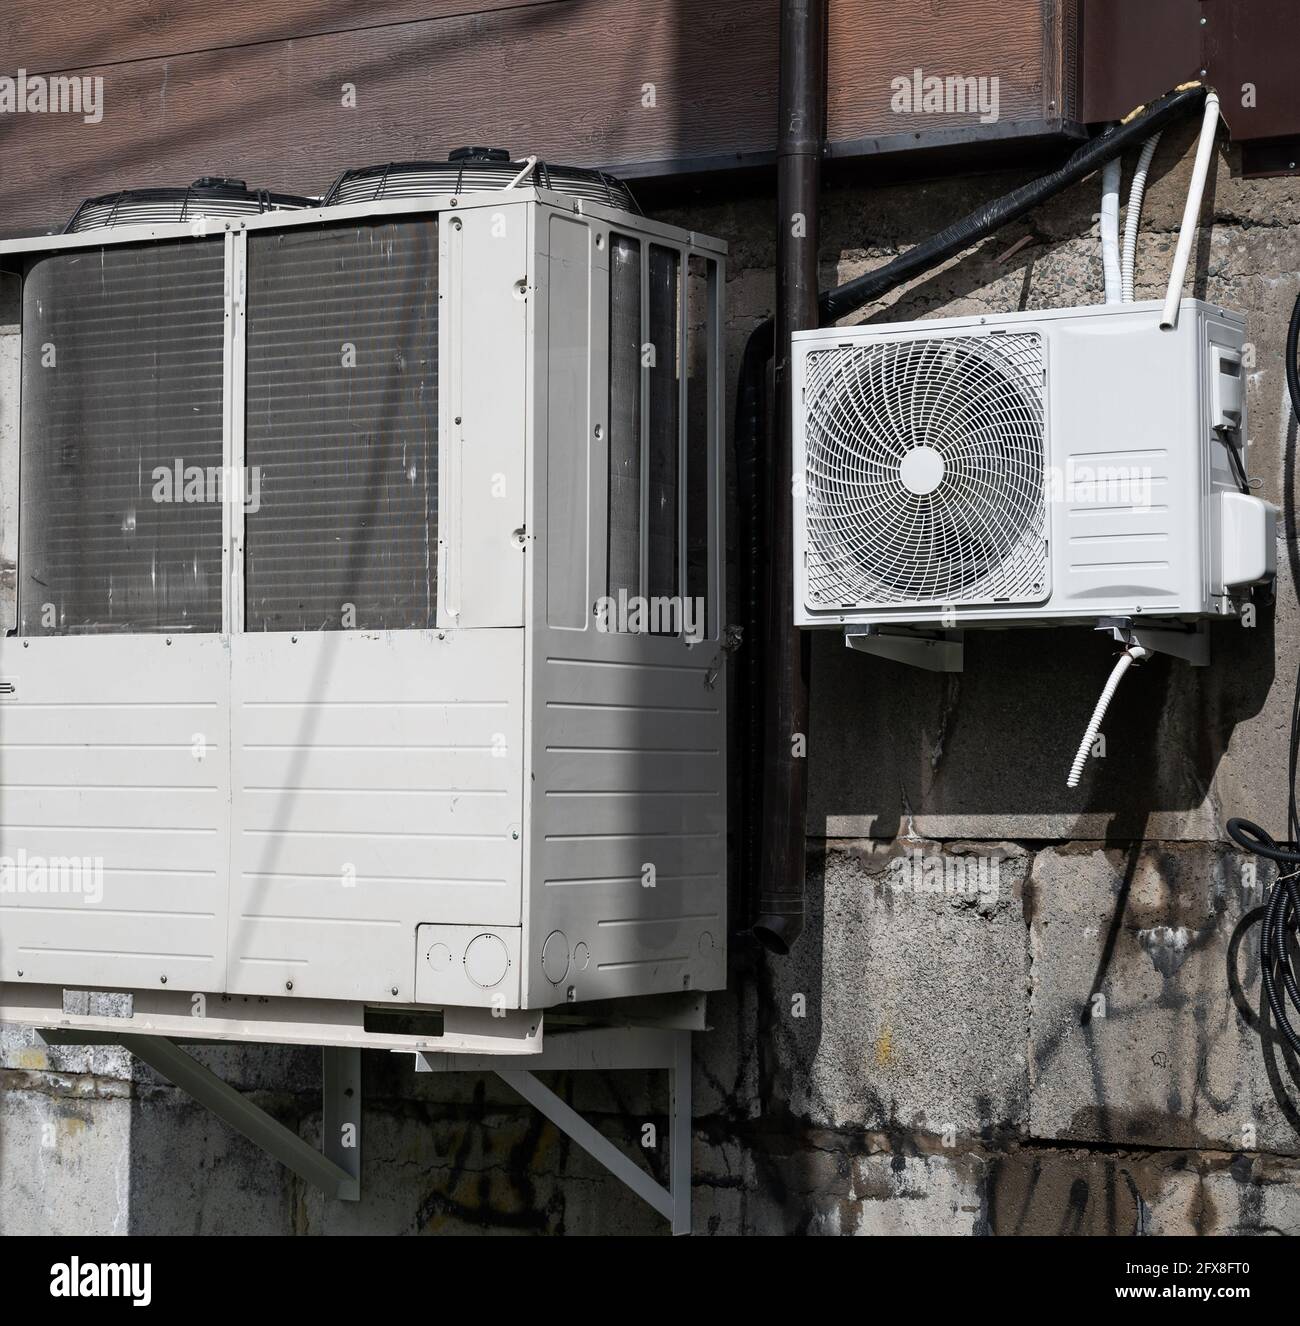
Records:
x=394, y=989
x=162, y=980
x=288, y=985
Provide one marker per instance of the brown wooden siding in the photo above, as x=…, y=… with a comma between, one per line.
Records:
x=253, y=88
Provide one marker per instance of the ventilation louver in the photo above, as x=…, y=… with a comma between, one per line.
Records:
x=208, y=196
x=925, y=472
x=474, y=169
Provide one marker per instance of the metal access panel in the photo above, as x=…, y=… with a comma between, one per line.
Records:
x=317, y=513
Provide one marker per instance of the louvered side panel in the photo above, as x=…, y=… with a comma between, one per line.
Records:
x=627, y=838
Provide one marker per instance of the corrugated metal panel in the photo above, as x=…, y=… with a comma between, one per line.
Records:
x=377, y=784
x=115, y=811
x=627, y=836
x=341, y=427
x=122, y=379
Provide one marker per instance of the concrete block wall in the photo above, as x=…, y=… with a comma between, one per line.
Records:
x=1015, y=1009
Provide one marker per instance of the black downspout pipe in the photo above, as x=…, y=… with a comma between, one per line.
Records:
x=781, y=910
x=801, y=112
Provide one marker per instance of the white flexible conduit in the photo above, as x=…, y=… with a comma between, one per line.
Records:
x=1192, y=212
x=1133, y=216
x=1133, y=654
x=1111, y=175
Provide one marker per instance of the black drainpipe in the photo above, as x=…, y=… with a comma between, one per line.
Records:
x=801, y=116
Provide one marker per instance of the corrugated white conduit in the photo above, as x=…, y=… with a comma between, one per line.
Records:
x=1133, y=216
x=1111, y=175
x=1192, y=212
x=1133, y=654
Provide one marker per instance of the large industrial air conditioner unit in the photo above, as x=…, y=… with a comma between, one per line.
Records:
x=361, y=653
x=1072, y=465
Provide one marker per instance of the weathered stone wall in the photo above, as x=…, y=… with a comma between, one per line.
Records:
x=1064, y=1040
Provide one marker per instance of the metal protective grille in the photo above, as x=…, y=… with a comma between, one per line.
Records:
x=121, y=448
x=341, y=428
x=421, y=179
x=924, y=472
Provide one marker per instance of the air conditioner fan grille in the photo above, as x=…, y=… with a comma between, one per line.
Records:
x=924, y=472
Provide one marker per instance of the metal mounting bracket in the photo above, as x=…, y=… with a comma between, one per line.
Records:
x=606, y=1048
x=935, y=651
x=335, y=1170
x=1192, y=644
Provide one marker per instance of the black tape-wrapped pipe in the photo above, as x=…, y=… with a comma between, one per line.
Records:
x=752, y=432
x=1094, y=154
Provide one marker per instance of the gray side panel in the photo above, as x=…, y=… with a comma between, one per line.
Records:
x=115, y=749
x=568, y=417
x=627, y=846
x=377, y=782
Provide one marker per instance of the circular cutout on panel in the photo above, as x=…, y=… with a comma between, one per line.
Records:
x=706, y=944
x=486, y=960
x=555, y=957
x=439, y=958
x=581, y=957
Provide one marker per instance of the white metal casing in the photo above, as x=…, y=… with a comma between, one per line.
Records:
x=515, y=772
x=1119, y=394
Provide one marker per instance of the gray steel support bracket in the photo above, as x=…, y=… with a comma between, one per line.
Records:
x=1192, y=644
x=596, y=1049
x=336, y=1171
x=933, y=651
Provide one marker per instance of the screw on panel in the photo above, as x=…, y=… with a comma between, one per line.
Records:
x=288, y=985
x=394, y=989
x=163, y=979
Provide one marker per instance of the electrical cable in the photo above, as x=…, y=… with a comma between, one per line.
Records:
x=1282, y=914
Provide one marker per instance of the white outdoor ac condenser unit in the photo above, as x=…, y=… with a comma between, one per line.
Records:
x=364, y=660
x=1074, y=465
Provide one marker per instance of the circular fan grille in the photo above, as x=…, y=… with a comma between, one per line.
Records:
x=925, y=471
